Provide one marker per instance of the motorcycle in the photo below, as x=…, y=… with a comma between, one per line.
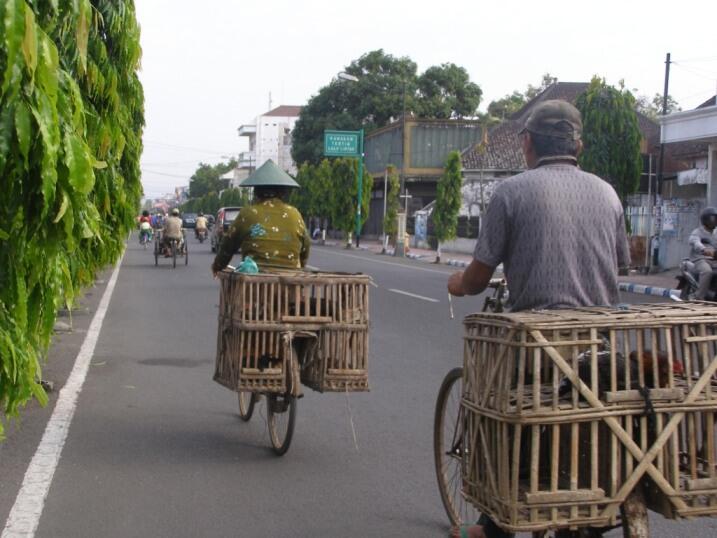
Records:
x=200, y=234
x=687, y=281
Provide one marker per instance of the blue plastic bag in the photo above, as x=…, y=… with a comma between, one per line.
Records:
x=248, y=266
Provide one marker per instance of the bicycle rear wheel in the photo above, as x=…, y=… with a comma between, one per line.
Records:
x=449, y=446
x=247, y=401
x=281, y=417
x=174, y=254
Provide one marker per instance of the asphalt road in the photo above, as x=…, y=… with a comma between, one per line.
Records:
x=156, y=447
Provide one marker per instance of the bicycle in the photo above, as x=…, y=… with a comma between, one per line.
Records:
x=448, y=427
x=452, y=449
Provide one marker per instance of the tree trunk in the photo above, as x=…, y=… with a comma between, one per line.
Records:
x=438, y=253
x=348, y=239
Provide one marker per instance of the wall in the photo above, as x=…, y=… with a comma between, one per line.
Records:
x=273, y=142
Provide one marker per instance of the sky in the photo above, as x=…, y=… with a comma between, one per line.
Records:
x=209, y=67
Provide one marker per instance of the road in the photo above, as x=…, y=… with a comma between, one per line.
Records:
x=156, y=448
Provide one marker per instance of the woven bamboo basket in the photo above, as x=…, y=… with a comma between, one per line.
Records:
x=268, y=319
x=567, y=411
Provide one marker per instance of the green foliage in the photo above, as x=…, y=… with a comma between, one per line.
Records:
x=206, y=178
x=611, y=136
x=71, y=120
x=378, y=97
x=344, y=176
x=446, y=91
x=652, y=108
x=448, y=199
x=390, y=223
x=511, y=103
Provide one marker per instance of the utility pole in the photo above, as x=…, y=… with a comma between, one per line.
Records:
x=385, y=196
x=661, y=161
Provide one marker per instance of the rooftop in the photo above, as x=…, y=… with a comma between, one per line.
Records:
x=284, y=110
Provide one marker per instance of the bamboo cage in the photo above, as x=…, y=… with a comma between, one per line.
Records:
x=567, y=411
x=267, y=320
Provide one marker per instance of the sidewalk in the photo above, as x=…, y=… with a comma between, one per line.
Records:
x=658, y=284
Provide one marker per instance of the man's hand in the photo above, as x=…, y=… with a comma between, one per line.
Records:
x=709, y=252
x=455, y=284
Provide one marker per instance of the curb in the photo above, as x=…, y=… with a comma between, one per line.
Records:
x=642, y=289
x=457, y=263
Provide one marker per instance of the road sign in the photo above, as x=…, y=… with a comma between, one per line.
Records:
x=342, y=143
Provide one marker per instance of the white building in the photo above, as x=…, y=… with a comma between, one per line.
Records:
x=270, y=138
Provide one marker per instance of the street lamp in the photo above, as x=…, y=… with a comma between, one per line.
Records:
x=352, y=78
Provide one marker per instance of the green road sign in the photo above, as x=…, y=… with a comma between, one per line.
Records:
x=342, y=143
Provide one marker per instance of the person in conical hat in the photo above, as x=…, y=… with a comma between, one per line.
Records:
x=269, y=230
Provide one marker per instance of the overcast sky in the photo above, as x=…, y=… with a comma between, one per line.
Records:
x=208, y=67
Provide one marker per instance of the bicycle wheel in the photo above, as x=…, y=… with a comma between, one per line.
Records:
x=174, y=254
x=156, y=253
x=247, y=401
x=186, y=253
x=281, y=417
x=449, y=447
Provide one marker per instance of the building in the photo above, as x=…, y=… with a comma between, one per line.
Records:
x=418, y=149
x=690, y=139
x=269, y=138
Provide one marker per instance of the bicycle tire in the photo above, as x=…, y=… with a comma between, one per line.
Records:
x=281, y=419
x=174, y=254
x=247, y=401
x=186, y=253
x=447, y=452
x=156, y=253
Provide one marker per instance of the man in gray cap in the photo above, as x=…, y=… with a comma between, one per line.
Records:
x=271, y=231
x=558, y=231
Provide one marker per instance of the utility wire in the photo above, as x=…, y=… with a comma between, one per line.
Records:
x=187, y=148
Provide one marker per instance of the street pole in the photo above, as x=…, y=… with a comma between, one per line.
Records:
x=661, y=162
x=385, y=196
x=360, y=190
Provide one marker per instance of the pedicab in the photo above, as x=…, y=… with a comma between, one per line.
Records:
x=177, y=247
x=281, y=330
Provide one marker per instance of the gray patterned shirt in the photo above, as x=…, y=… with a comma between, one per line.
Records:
x=560, y=234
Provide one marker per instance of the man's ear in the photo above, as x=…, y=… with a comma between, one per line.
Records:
x=580, y=148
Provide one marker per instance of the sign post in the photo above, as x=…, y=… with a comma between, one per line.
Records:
x=348, y=144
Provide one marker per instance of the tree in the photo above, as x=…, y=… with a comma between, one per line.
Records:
x=653, y=108
x=611, y=136
x=345, y=193
x=377, y=98
x=206, y=178
x=446, y=91
x=390, y=222
x=448, y=202
x=71, y=122
x=511, y=103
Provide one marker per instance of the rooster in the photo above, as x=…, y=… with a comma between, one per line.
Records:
x=604, y=371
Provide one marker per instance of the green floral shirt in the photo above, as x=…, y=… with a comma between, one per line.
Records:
x=271, y=232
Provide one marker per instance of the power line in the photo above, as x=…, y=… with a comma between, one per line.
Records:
x=703, y=73
x=164, y=173
x=187, y=148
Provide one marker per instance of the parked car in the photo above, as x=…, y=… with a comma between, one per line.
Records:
x=189, y=220
x=225, y=218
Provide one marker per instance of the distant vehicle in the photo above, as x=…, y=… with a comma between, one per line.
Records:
x=225, y=218
x=189, y=220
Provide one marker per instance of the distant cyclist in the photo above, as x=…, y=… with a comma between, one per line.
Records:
x=172, y=230
x=145, y=227
x=201, y=225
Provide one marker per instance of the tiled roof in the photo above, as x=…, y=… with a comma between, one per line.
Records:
x=284, y=110
x=503, y=151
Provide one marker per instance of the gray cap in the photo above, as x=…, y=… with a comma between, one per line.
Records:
x=269, y=175
x=556, y=118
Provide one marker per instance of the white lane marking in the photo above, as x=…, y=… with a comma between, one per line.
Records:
x=429, y=299
x=25, y=514
x=405, y=266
